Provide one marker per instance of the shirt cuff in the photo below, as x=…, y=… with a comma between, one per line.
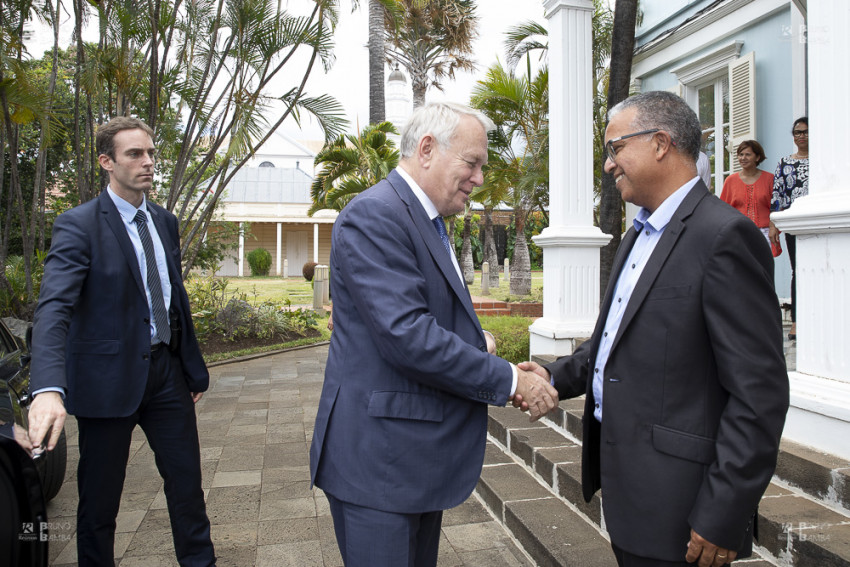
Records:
x=62, y=390
x=514, y=379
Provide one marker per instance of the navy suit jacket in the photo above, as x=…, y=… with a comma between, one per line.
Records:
x=402, y=419
x=91, y=331
x=695, y=390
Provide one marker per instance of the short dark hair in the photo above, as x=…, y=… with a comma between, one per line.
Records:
x=668, y=112
x=800, y=120
x=755, y=146
x=105, y=139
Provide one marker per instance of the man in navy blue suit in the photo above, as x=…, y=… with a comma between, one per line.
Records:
x=113, y=342
x=401, y=424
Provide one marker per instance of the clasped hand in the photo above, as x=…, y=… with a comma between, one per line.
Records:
x=534, y=392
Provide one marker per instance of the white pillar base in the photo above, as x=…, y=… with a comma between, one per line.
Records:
x=819, y=416
x=570, y=288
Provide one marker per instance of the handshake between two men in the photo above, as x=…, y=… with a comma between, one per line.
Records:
x=534, y=391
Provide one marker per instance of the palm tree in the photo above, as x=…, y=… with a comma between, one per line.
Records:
x=351, y=164
x=610, y=205
x=467, y=266
x=431, y=39
x=518, y=168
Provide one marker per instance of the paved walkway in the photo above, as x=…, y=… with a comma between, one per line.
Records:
x=255, y=426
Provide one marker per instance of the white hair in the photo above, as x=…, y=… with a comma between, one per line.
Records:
x=439, y=119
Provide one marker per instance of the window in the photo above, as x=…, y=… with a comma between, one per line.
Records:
x=713, y=112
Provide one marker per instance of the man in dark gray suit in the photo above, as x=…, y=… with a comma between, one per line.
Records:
x=113, y=342
x=684, y=374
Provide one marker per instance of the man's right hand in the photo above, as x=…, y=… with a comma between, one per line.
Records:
x=46, y=412
x=536, y=391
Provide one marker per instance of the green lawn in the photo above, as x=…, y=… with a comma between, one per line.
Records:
x=274, y=289
x=300, y=292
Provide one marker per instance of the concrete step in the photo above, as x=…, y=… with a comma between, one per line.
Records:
x=795, y=528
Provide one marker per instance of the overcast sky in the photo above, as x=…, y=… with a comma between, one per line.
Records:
x=348, y=80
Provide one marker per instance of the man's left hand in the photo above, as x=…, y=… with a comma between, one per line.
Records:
x=708, y=554
x=197, y=396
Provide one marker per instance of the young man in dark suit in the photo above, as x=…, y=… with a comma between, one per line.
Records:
x=113, y=342
x=684, y=374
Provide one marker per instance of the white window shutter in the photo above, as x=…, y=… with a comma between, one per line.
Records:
x=742, y=104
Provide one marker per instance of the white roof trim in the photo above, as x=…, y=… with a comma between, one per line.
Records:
x=717, y=59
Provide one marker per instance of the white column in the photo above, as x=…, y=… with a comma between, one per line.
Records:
x=278, y=250
x=571, y=243
x=240, y=270
x=316, y=242
x=820, y=387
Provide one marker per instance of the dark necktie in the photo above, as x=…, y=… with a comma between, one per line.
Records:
x=441, y=230
x=160, y=313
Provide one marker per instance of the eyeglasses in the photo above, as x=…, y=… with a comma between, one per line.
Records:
x=800, y=133
x=612, y=151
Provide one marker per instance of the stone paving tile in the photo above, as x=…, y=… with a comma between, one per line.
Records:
x=255, y=426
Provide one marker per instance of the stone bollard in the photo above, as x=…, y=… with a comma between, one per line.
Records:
x=508, y=271
x=326, y=287
x=485, y=278
x=318, y=285
x=286, y=268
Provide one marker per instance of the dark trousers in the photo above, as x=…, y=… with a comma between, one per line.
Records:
x=791, y=245
x=372, y=538
x=626, y=559
x=167, y=416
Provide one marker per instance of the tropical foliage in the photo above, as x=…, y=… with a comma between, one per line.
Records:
x=518, y=168
x=431, y=39
x=351, y=164
x=205, y=75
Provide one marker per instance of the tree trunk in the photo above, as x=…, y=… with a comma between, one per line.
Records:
x=611, y=206
x=490, y=255
x=377, y=110
x=520, y=263
x=466, y=264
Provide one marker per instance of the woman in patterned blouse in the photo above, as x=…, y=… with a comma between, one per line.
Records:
x=790, y=181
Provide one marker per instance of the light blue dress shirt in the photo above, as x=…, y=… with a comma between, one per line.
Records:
x=128, y=213
x=650, y=227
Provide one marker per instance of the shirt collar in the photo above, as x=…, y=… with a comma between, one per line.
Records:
x=125, y=209
x=662, y=215
x=427, y=204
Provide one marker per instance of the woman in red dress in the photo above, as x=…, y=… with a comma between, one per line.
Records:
x=750, y=190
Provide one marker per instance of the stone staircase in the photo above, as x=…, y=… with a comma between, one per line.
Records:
x=531, y=482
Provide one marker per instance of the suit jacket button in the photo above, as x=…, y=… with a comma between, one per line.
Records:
x=147, y=321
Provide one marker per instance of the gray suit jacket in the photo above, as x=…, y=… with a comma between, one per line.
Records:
x=695, y=390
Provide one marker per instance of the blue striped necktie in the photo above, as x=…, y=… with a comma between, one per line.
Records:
x=160, y=313
x=441, y=230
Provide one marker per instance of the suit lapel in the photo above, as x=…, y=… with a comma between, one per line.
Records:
x=116, y=224
x=432, y=240
x=659, y=256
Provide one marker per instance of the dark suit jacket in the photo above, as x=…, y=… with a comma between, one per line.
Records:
x=402, y=418
x=91, y=332
x=695, y=390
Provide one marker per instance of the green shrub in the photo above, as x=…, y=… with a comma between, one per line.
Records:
x=218, y=311
x=14, y=302
x=260, y=261
x=512, y=338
